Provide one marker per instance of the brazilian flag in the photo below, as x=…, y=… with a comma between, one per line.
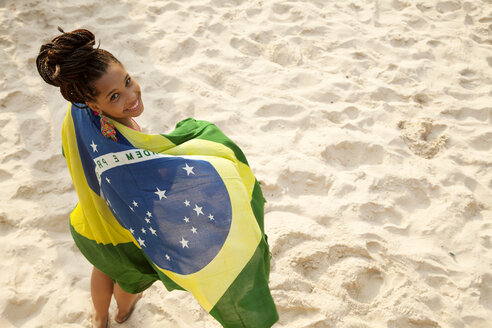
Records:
x=183, y=208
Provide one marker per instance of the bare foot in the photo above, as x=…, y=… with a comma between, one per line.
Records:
x=122, y=316
x=99, y=323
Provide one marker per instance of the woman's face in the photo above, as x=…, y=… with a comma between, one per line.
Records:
x=119, y=96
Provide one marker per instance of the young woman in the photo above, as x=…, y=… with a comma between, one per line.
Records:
x=94, y=77
x=183, y=208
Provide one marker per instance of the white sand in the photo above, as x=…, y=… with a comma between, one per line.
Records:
x=368, y=123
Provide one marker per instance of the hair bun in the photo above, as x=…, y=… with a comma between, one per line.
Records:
x=64, y=58
x=71, y=63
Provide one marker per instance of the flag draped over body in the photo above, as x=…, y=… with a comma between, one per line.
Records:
x=183, y=208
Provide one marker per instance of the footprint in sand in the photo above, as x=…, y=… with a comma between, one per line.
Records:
x=171, y=51
x=226, y=3
x=466, y=80
x=433, y=273
x=7, y=223
x=408, y=193
x=348, y=114
x=400, y=39
x=285, y=54
x=185, y=48
x=423, y=137
x=287, y=240
x=466, y=206
x=465, y=113
x=33, y=134
x=412, y=323
x=281, y=9
x=311, y=261
x=33, y=189
x=379, y=213
x=19, y=310
x=324, y=96
x=4, y=175
x=304, y=182
x=15, y=155
x=160, y=9
x=489, y=61
x=375, y=248
x=54, y=164
x=352, y=154
x=400, y=4
x=339, y=252
x=279, y=110
x=355, y=323
x=486, y=291
x=447, y=6
x=481, y=142
x=304, y=80
x=285, y=14
x=246, y=47
x=387, y=95
x=9, y=130
x=252, y=12
x=217, y=28
x=421, y=98
x=366, y=285
x=290, y=231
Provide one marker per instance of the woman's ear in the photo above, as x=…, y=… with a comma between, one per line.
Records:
x=94, y=107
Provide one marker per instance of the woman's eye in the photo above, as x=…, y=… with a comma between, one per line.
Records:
x=128, y=81
x=114, y=96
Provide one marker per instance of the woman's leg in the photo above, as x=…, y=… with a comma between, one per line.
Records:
x=126, y=302
x=101, y=292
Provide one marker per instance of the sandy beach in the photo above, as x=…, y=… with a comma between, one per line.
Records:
x=368, y=123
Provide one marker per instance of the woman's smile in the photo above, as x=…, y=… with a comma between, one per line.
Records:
x=135, y=107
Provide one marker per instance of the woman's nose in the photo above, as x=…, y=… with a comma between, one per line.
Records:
x=133, y=91
x=130, y=96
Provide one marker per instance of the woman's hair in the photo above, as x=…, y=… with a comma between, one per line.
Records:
x=71, y=63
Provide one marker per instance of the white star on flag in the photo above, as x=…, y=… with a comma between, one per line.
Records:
x=153, y=231
x=131, y=208
x=108, y=202
x=193, y=229
x=132, y=231
x=188, y=169
x=186, y=219
x=107, y=179
x=94, y=147
x=187, y=202
x=141, y=242
x=168, y=258
x=149, y=214
x=143, y=230
x=211, y=217
x=135, y=204
x=160, y=193
x=147, y=220
x=198, y=210
x=184, y=242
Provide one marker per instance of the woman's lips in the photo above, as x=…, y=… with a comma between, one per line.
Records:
x=134, y=107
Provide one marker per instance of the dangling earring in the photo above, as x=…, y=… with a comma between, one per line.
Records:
x=107, y=129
